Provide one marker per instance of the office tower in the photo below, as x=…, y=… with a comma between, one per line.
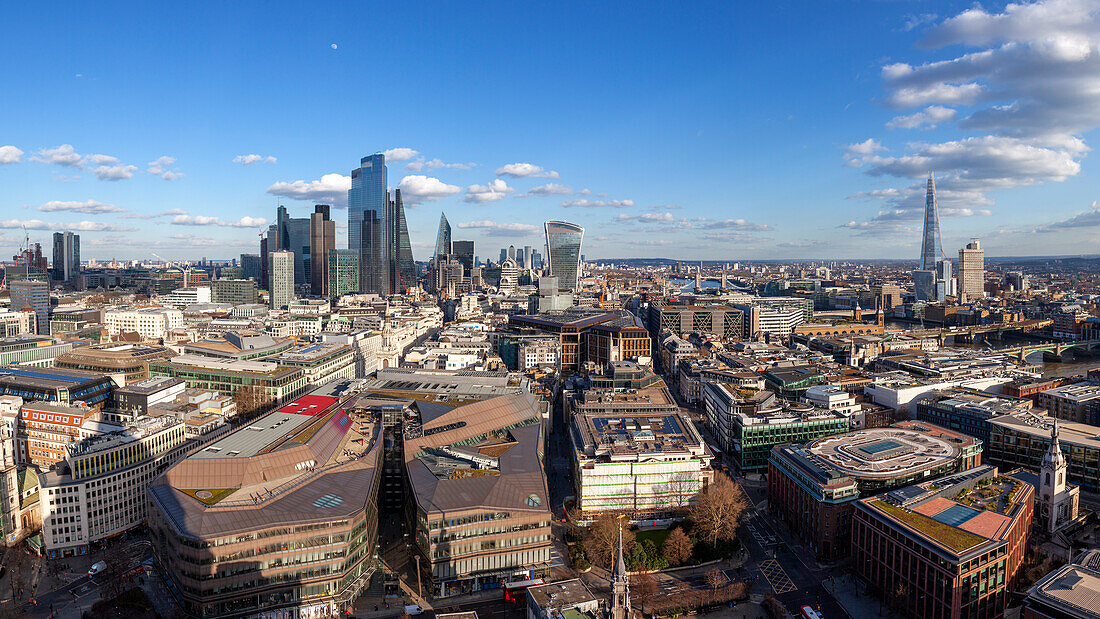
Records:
x=971, y=271
x=281, y=272
x=251, y=266
x=234, y=291
x=464, y=252
x=527, y=256
x=503, y=254
x=536, y=259
x=35, y=296
x=322, y=239
x=945, y=281
x=930, y=251
x=343, y=273
x=265, y=257
x=443, y=237
x=563, y=251
x=66, y=256
x=511, y=252
x=402, y=264
x=368, y=202
x=297, y=242
x=509, y=276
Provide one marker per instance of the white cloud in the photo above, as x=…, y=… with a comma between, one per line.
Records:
x=912, y=22
x=495, y=190
x=254, y=158
x=522, y=170
x=10, y=154
x=159, y=167
x=99, y=160
x=115, y=172
x=79, y=226
x=330, y=189
x=549, y=189
x=168, y=213
x=400, y=154
x=203, y=220
x=64, y=155
x=647, y=217
x=417, y=188
x=1087, y=219
x=434, y=164
x=585, y=203
x=493, y=228
x=928, y=118
x=89, y=207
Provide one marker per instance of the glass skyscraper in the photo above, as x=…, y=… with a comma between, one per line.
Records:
x=443, y=237
x=368, y=203
x=930, y=250
x=343, y=273
x=563, y=250
x=404, y=266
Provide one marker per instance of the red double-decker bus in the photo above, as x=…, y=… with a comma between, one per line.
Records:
x=517, y=591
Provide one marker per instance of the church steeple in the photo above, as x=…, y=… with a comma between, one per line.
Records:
x=620, y=584
x=1052, y=479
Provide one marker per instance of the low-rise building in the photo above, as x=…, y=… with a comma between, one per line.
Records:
x=263, y=383
x=150, y=323
x=967, y=410
x=565, y=599
x=748, y=423
x=243, y=345
x=43, y=430
x=32, y=350
x=650, y=464
x=949, y=547
x=56, y=385
x=136, y=398
x=480, y=506
x=320, y=363
x=131, y=361
x=1069, y=592
x=277, y=517
x=234, y=291
x=98, y=490
x=812, y=487
x=1078, y=402
x=1023, y=439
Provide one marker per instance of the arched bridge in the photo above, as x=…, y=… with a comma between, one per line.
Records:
x=1052, y=347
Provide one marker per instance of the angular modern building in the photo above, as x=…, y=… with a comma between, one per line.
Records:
x=368, y=202
x=563, y=249
x=480, y=508
x=402, y=266
x=931, y=251
x=279, y=517
x=443, y=237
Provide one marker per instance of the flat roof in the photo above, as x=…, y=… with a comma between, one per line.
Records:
x=1039, y=425
x=1073, y=589
x=877, y=453
x=257, y=436
x=310, y=405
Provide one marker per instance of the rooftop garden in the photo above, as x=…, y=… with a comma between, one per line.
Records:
x=997, y=494
x=209, y=497
x=953, y=538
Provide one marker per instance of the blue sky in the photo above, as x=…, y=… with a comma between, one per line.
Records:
x=717, y=131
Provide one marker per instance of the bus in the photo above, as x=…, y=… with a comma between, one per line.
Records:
x=808, y=612
x=517, y=591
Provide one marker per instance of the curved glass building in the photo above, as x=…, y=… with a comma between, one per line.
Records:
x=563, y=249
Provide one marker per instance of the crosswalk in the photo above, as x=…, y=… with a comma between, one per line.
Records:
x=777, y=578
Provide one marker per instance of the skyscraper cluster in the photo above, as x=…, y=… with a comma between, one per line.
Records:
x=377, y=230
x=932, y=281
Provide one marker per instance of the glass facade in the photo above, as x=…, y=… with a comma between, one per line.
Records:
x=563, y=246
x=403, y=264
x=930, y=250
x=443, y=237
x=368, y=202
x=343, y=273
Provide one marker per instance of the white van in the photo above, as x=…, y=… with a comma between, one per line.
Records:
x=96, y=568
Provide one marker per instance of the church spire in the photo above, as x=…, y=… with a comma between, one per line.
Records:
x=620, y=584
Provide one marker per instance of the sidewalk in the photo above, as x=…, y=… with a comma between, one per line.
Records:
x=847, y=591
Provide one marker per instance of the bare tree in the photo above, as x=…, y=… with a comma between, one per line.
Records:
x=683, y=487
x=715, y=579
x=113, y=582
x=604, y=538
x=16, y=560
x=677, y=547
x=643, y=587
x=719, y=509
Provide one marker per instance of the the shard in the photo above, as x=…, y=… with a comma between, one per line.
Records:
x=930, y=250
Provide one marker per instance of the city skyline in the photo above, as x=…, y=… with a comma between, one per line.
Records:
x=750, y=170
